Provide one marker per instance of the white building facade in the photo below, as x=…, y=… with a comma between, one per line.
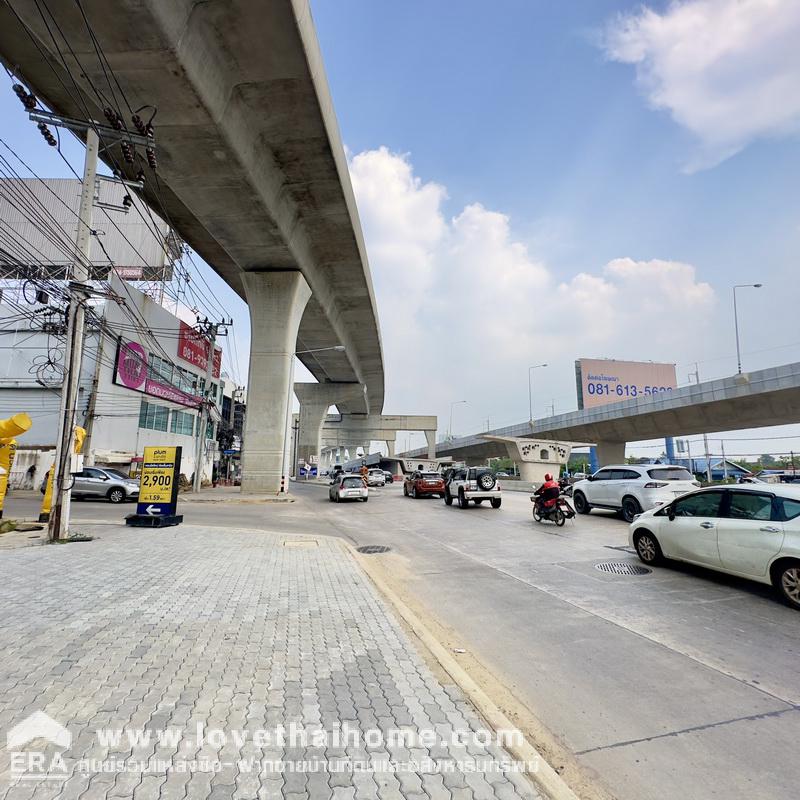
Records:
x=143, y=381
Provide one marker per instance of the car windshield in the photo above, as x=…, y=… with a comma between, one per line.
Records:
x=115, y=473
x=352, y=483
x=671, y=474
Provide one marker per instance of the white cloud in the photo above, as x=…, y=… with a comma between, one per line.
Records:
x=727, y=70
x=465, y=308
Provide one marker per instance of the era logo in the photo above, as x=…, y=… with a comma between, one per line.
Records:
x=45, y=761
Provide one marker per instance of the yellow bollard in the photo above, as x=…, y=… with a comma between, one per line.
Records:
x=8, y=448
x=78, y=437
x=9, y=428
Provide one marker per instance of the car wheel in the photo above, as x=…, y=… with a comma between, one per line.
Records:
x=414, y=492
x=581, y=506
x=496, y=501
x=448, y=499
x=786, y=579
x=630, y=508
x=648, y=549
x=116, y=495
x=405, y=490
x=462, y=500
x=559, y=517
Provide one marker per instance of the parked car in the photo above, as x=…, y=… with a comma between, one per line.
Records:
x=502, y=475
x=348, y=487
x=423, y=484
x=115, y=486
x=336, y=471
x=750, y=530
x=375, y=477
x=632, y=488
x=471, y=483
x=388, y=475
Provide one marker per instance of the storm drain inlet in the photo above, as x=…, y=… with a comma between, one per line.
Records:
x=622, y=568
x=373, y=549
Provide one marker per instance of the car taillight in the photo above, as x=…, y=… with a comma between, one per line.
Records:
x=655, y=485
x=472, y=486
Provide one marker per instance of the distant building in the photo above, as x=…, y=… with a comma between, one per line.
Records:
x=698, y=466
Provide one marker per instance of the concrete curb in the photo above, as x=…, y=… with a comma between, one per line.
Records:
x=546, y=778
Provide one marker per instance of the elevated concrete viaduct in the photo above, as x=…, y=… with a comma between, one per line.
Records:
x=250, y=171
x=752, y=400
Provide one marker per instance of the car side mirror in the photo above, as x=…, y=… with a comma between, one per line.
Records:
x=590, y=477
x=105, y=478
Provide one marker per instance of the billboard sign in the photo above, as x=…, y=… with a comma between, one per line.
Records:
x=131, y=372
x=601, y=381
x=158, y=482
x=193, y=348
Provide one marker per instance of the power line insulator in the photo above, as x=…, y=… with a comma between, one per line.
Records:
x=151, y=157
x=140, y=176
x=114, y=119
x=127, y=201
x=127, y=152
x=138, y=123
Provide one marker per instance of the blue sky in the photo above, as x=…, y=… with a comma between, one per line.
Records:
x=551, y=173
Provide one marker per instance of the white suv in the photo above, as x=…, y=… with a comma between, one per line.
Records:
x=632, y=488
x=376, y=477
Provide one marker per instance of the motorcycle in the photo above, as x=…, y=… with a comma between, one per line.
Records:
x=559, y=512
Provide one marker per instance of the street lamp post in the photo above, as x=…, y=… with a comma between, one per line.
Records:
x=530, y=389
x=736, y=318
x=450, y=426
x=338, y=347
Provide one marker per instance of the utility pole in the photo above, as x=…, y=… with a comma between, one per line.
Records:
x=708, y=458
x=211, y=331
x=58, y=527
x=724, y=461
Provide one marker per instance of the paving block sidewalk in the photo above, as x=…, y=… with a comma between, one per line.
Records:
x=237, y=631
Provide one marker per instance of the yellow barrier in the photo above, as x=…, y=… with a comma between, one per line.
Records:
x=47, y=502
x=9, y=428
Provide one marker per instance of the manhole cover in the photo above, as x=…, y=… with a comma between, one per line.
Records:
x=372, y=549
x=622, y=568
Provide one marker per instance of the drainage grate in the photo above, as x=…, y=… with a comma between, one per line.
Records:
x=372, y=549
x=622, y=568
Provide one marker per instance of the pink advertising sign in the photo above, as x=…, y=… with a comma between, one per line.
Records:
x=131, y=372
x=602, y=381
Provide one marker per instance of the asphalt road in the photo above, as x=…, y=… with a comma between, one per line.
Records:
x=677, y=684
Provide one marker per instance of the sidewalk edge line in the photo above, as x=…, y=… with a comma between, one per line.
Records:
x=545, y=777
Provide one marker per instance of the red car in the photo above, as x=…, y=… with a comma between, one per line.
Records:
x=422, y=484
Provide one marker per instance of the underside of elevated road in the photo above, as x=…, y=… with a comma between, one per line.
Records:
x=751, y=400
x=250, y=171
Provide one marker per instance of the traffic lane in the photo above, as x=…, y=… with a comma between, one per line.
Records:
x=632, y=706
x=721, y=621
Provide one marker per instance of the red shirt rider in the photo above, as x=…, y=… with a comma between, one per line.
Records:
x=548, y=492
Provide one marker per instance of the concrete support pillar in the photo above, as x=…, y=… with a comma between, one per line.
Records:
x=365, y=448
x=610, y=453
x=390, y=447
x=430, y=437
x=276, y=301
x=315, y=400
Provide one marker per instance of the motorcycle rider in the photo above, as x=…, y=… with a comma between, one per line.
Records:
x=547, y=493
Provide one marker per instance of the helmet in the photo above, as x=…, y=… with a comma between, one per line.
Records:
x=548, y=477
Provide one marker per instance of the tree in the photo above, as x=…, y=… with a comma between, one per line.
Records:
x=767, y=460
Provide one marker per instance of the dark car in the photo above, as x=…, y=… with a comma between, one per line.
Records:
x=423, y=484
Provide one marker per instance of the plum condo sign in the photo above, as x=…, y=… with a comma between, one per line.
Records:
x=158, y=489
x=601, y=381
